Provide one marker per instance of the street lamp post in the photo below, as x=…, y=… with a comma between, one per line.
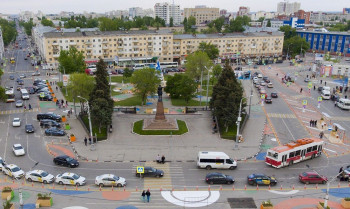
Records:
x=328, y=185
x=206, y=106
x=288, y=50
x=239, y=120
x=250, y=99
x=200, y=92
x=90, y=126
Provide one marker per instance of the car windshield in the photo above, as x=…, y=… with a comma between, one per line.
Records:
x=75, y=176
x=69, y=159
x=18, y=147
x=29, y=126
x=44, y=174
x=304, y=174
x=153, y=169
x=16, y=120
x=116, y=178
x=15, y=169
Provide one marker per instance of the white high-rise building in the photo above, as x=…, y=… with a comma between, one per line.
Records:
x=288, y=8
x=166, y=11
x=2, y=47
x=136, y=12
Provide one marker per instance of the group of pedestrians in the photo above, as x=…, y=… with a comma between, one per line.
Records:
x=313, y=123
x=90, y=141
x=160, y=159
x=146, y=194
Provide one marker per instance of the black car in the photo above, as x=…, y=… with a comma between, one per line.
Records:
x=268, y=100
x=49, y=115
x=47, y=97
x=54, y=131
x=47, y=123
x=20, y=82
x=65, y=160
x=12, y=77
x=29, y=128
x=151, y=172
x=219, y=178
x=265, y=78
x=261, y=179
x=274, y=95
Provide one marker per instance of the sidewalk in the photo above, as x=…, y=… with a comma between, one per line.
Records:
x=124, y=146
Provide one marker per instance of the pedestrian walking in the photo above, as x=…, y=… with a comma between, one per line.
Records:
x=56, y=88
x=315, y=123
x=321, y=135
x=85, y=141
x=143, y=196
x=335, y=103
x=310, y=123
x=158, y=158
x=30, y=106
x=314, y=88
x=148, y=194
x=325, y=83
x=25, y=107
x=66, y=103
x=301, y=90
x=321, y=81
x=346, y=96
x=90, y=140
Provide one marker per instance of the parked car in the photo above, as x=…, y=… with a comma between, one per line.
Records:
x=2, y=164
x=40, y=176
x=110, y=180
x=54, y=131
x=36, y=73
x=18, y=150
x=16, y=122
x=70, y=179
x=219, y=178
x=312, y=177
x=260, y=75
x=45, y=96
x=151, y=172
x=65, y=160
x=274, y=95
x=261, y=179
x=268, y=100
x=13, y=171
x=49, y=115
x=12, y=77
x=262, y=83
x=30, y=90
x=47, y=123
x=19, y=103
x=265, y=78
x=22, y=76
x=29, y=128
x=270, y=85
x=20, y=82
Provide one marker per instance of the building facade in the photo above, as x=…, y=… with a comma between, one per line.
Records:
x=288, y=8
x=301, y=14
x=333, y=42
x=2, y=46
x=243, y=11
x=202, y=15
x=147, y=46
x=166, y=11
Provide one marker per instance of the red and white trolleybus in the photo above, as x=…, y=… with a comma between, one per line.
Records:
x=294, y=152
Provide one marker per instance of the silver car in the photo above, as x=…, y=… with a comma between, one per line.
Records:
x=19, y=103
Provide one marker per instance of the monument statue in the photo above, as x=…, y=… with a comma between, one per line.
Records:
x=160, y=93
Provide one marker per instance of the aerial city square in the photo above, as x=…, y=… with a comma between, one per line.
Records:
x=154, y=104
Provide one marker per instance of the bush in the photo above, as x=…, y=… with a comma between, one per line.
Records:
x=322, y=204
x=95, y=130
x=347, y=198
x=267, y=203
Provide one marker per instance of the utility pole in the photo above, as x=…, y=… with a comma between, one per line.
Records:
x=238, y=121
x=200, y=92
x=206, y=106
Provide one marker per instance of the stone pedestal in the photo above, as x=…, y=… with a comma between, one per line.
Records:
x=160, y=122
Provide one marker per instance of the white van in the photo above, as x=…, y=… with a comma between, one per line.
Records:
x=326, y=94
x=344, y=104
x=218, y=160
x=327, y=88
x=25, y=94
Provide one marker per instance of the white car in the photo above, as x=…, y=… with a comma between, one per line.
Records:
x=270, y=85
x=110, y=180
x=40, y=176
x=70, y=179
x=260, y=75
x=18, y=150
x=2, y=164
x=16, y=122
x=13, y=171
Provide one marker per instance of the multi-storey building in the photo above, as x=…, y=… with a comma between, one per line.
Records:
x=243, y=11
x=146, y=46
x=301, y=14
x=202, y=14
x=332, y=42
x=267, y=15
x=2, y=47
x=136, y=12
x=167, y=11
x=288, y=8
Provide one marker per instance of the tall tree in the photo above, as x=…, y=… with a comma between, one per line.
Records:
x=185, y=24
x=196, y=63
x=46, y=22
x=288, y=31
x=145, y=82
x=181, y=86
x=237, y=25
x=71, y=61
x=171, y=23
x=82, y=85
x=191, y=22
x=296, y=45
x=100, y=102
x=217, y=69
x=268, y=24
x=226, y=97
x=9, y=31
x=3, y=96
x=211, y=50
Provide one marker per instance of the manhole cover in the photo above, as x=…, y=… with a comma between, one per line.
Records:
x=241, y=202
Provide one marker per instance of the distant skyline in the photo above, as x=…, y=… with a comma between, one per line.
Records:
x=101, y=6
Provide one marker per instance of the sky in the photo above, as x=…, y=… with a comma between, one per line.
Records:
x=101, y=6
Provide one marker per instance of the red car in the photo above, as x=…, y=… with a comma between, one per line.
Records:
x=312, y=178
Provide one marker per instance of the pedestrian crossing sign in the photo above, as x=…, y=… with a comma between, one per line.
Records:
x=140, y=169
x=319, y=99
x=305, y=102
x=309, y=85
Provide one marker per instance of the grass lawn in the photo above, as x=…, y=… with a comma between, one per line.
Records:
x=115, y=93
x=182, y=102
x=231, y=131
x=132, y=101
x=69, y=97
x=204, y=91
x=138, y=129
x=118, y=79
x=95, y=130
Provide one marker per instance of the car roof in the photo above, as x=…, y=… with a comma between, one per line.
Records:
x=63, y=156
x=215, y=174
x=36, y=171
x=17, y=145
x=258, y=175
x=16, y=119
x=311, y=173
x=67, y=174
x=106, y=175
x=11, y=166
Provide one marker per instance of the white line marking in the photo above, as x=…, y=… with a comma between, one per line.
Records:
x=329, y=150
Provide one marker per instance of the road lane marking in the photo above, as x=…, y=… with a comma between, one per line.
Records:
x=329, y=150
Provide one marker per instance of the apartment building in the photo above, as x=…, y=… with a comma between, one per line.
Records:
x=2, y=47
x=167, y=11
x=288, y=8
x=245, y=44
x=301, y=14
x=243, y=11
x=202, y=14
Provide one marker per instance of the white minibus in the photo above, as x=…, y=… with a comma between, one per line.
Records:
x=325, y=94
x=218, y=160
x=25, y=94
x=344, y=104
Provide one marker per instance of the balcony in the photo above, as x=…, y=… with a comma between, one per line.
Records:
x=89, y=47
x=105, y=47
x=135, y=52
x=88, y=43
x=120, y=47
x=135, y=41
x=88, y=53
x=105, y=42
x=150, y=46
x=72, y=43
x=55, y=43
x=56, y=55
x=120, y=42
x=106, y=52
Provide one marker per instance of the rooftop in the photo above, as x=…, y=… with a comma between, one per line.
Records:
x=102, y=33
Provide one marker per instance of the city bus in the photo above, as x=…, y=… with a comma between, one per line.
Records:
x=143, y=65
x=169, y=65
x=294, y=152
x=12, y=60
x=10, y=95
